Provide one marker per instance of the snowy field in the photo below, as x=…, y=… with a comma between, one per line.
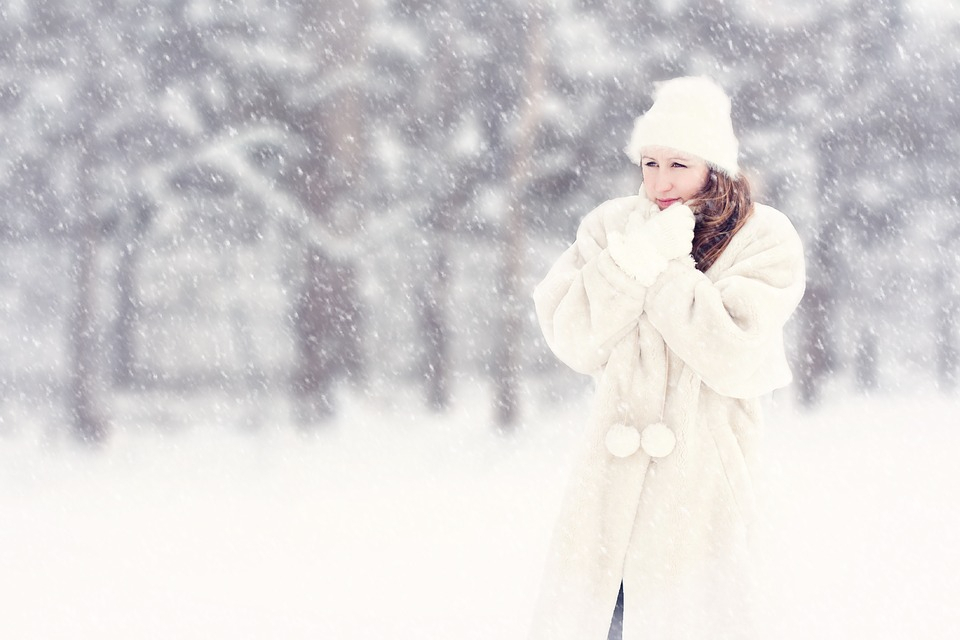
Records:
x=399, y=524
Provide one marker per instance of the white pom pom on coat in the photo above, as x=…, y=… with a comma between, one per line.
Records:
x=622, y=440
x=658, y=440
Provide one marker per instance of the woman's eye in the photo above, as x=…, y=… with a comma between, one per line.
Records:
x=678, y=165
x=650, y=163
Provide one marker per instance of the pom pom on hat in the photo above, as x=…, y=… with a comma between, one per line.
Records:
x=692, y=115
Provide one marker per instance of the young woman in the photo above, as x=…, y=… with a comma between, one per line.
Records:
x=675, y=301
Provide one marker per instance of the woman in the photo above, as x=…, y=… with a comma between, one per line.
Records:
x=675, y=301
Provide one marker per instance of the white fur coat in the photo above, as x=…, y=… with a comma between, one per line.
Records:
x=695, y=351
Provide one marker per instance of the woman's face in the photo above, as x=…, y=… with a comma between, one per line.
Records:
x=670, y=176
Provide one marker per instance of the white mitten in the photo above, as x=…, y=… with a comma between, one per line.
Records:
x=672, y=231
x=644, y=250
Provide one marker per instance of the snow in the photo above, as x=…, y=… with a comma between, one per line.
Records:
x=932, y=12
x=859, y=499
x=393, y=522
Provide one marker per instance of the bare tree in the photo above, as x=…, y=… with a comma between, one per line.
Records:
x=506, y=369
x=88, y=419
x=328, y=312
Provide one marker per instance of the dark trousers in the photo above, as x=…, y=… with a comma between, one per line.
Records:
x=616, y=623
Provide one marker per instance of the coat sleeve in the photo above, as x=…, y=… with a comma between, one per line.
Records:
x=587, y=303
x=730, y=331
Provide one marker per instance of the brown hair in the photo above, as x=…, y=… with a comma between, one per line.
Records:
x=722, y=208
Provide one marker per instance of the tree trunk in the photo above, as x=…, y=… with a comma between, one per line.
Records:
x=124, y=367
x=88, y=423
x=506, y=358
x=816, y=346
x=948, y=355
x=865, y=360
x=328, y=335
x=129, y=304
x=328, y=307
x=432, y=304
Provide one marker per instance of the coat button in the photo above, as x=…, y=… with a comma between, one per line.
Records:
x=622, y=440
x=658, y=440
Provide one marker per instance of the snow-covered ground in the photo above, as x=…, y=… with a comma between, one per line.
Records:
x=394, y=523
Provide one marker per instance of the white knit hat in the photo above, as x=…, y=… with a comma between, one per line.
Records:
x=692, y=115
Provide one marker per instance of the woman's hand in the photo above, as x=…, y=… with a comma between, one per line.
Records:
x=645, y=248
x=671, y=231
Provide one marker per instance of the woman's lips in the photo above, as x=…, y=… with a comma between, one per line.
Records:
x=663, y=204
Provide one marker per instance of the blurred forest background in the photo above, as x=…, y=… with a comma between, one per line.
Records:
x=299, y=199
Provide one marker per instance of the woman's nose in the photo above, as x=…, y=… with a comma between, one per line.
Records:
x=662, y=183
